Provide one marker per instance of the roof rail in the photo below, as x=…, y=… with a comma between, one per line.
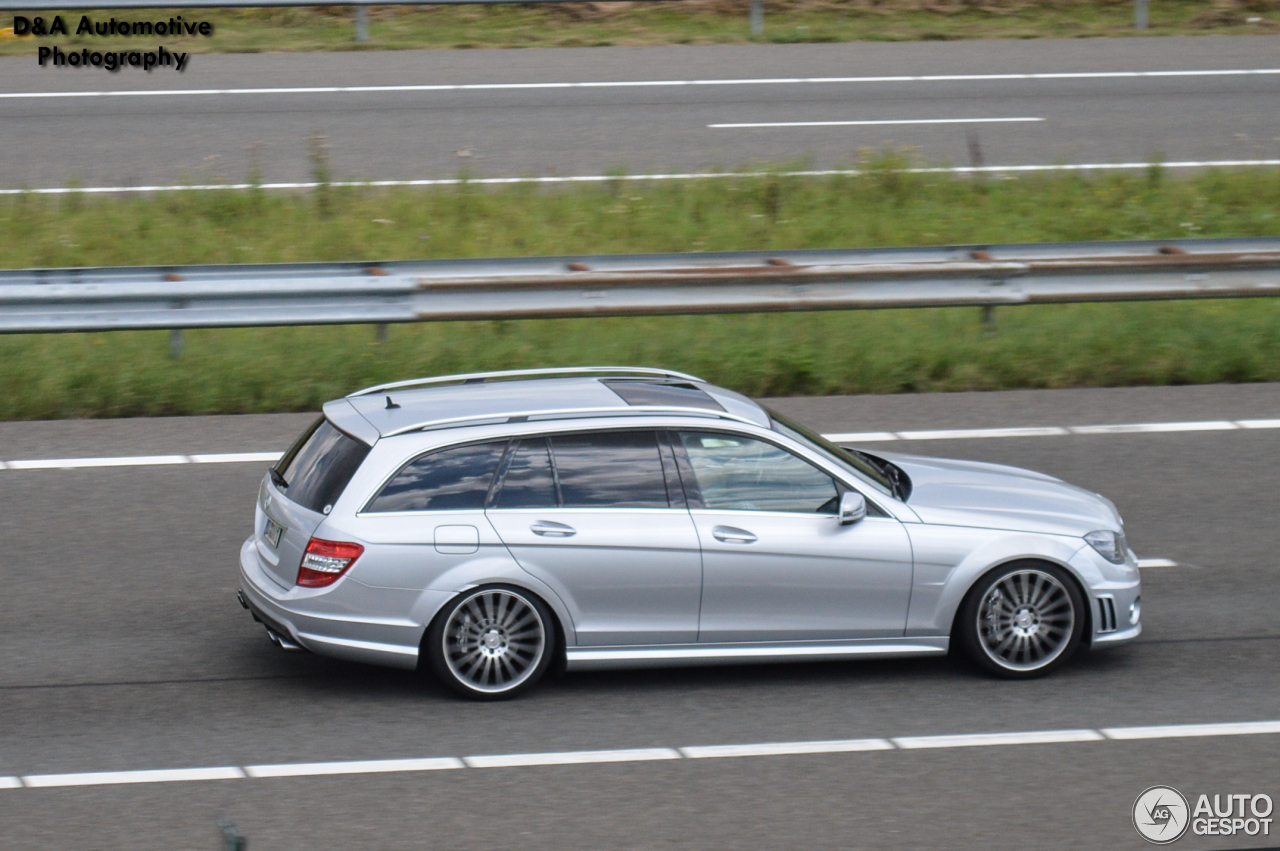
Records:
x=479, y=377
x=566, y=413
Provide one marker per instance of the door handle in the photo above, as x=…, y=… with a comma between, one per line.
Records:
x=732, y=535
x=548, y=529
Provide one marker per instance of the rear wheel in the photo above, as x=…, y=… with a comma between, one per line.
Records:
x=1022, y=620
x=491, y=643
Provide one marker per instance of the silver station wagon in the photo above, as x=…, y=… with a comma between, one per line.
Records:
x=491, y=526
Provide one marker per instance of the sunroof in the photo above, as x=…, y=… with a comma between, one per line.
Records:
x=666, y=394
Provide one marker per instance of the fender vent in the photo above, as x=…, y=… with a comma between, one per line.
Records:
x=1106, y=614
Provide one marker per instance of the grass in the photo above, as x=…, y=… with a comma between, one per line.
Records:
x=685, y=22
x=292, y=369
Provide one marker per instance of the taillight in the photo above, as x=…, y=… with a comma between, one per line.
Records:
x=325, y=561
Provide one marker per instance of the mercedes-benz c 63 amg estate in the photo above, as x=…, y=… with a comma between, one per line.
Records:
x=490, y=526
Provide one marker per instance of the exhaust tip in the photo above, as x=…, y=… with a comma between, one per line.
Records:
x=244, y=604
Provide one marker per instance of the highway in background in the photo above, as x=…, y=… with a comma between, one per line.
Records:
x=122, y=648
x=500, y=126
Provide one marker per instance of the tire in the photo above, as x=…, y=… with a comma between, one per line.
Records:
x=491, y=643
x=1021, y=620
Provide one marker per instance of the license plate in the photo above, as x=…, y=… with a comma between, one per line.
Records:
x=273, y=533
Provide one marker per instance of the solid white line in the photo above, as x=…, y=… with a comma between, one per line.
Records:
x=1137, y=428
x=111, y=778
x=878, y=123
x=786, y=748
x=236, y=458
x=608, y=178
x=570, y=758
x=1157, y=562
x=378, y=766
x=622, y=84
x=1258, y=423
x=1180, y=731
x=10, y=783
x=1042, y=737
x=123, y=461
x=970, y=433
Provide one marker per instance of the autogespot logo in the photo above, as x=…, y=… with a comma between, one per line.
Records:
x=1160, y=815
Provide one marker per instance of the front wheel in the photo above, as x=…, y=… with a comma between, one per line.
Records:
x=1022, y=620
x=491, y=643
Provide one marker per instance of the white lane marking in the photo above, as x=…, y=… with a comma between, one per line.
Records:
x=625, y=84
x=607, y=178
x=570, y=758
x=1157, y=562
x=647, y=754
x=236, y=458
x=123, y=461
x=1180, y=731
x=377, y=766
x=1132, y=428
x=876, y=123
x=841, y=437
x=971, y=433
x=978, y=740
x=112, y=778
x=786, y=748
x=861, y=437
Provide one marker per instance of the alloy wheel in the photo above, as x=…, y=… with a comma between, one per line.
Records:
x=494, y=640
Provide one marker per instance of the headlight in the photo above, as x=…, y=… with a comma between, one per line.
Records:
x=1110, y=545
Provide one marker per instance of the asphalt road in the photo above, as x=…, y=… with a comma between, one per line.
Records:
x=130, y=141
x=121, y=647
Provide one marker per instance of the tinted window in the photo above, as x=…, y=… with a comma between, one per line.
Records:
x=618, y=469
x=320, y=469
x=742, y=474
x=528, y=482
x=449, y=480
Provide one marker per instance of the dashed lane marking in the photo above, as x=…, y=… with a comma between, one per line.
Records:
x=841, y=437
x=598, y=757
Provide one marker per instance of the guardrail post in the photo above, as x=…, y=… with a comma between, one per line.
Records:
x=989, y=318
x=757, y=17
x=362, y=23
x=1139, y=14
x=177, y=342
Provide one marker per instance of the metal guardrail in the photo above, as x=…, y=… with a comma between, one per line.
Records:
x=177, y=297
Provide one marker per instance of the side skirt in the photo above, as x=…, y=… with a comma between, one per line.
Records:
x=601, y=658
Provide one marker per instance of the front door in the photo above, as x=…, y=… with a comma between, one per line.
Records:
x=777, y=564
x=590, y=514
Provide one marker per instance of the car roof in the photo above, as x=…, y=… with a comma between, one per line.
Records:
x=519, y=396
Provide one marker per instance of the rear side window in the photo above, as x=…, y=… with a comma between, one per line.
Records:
x=528, y=482
x=454, y=479
x=321, y=467
x=610, y=469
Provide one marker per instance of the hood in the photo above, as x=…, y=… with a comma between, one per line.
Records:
x=993, y=496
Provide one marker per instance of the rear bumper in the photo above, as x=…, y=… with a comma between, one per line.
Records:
x=296, y=617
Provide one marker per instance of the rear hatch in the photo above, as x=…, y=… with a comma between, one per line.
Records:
x=297, y=494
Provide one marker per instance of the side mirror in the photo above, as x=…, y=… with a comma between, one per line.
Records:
x=853, y=507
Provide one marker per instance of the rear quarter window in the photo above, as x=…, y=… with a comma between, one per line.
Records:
x=454, y=479
x=319, y=470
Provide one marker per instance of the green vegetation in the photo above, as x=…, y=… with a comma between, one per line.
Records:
x=683, y=22
x=275, y=369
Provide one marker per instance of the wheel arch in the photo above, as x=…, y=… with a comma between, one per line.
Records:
x=1072, y=575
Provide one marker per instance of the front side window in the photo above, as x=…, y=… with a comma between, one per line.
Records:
x=609, y=470
x=453, y=479
x=317, y=471
x=738, y=473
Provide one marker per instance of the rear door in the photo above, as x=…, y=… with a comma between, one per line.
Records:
x=777, y=564
x=600, y=517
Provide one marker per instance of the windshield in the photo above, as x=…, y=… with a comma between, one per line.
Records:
x=821, y=445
